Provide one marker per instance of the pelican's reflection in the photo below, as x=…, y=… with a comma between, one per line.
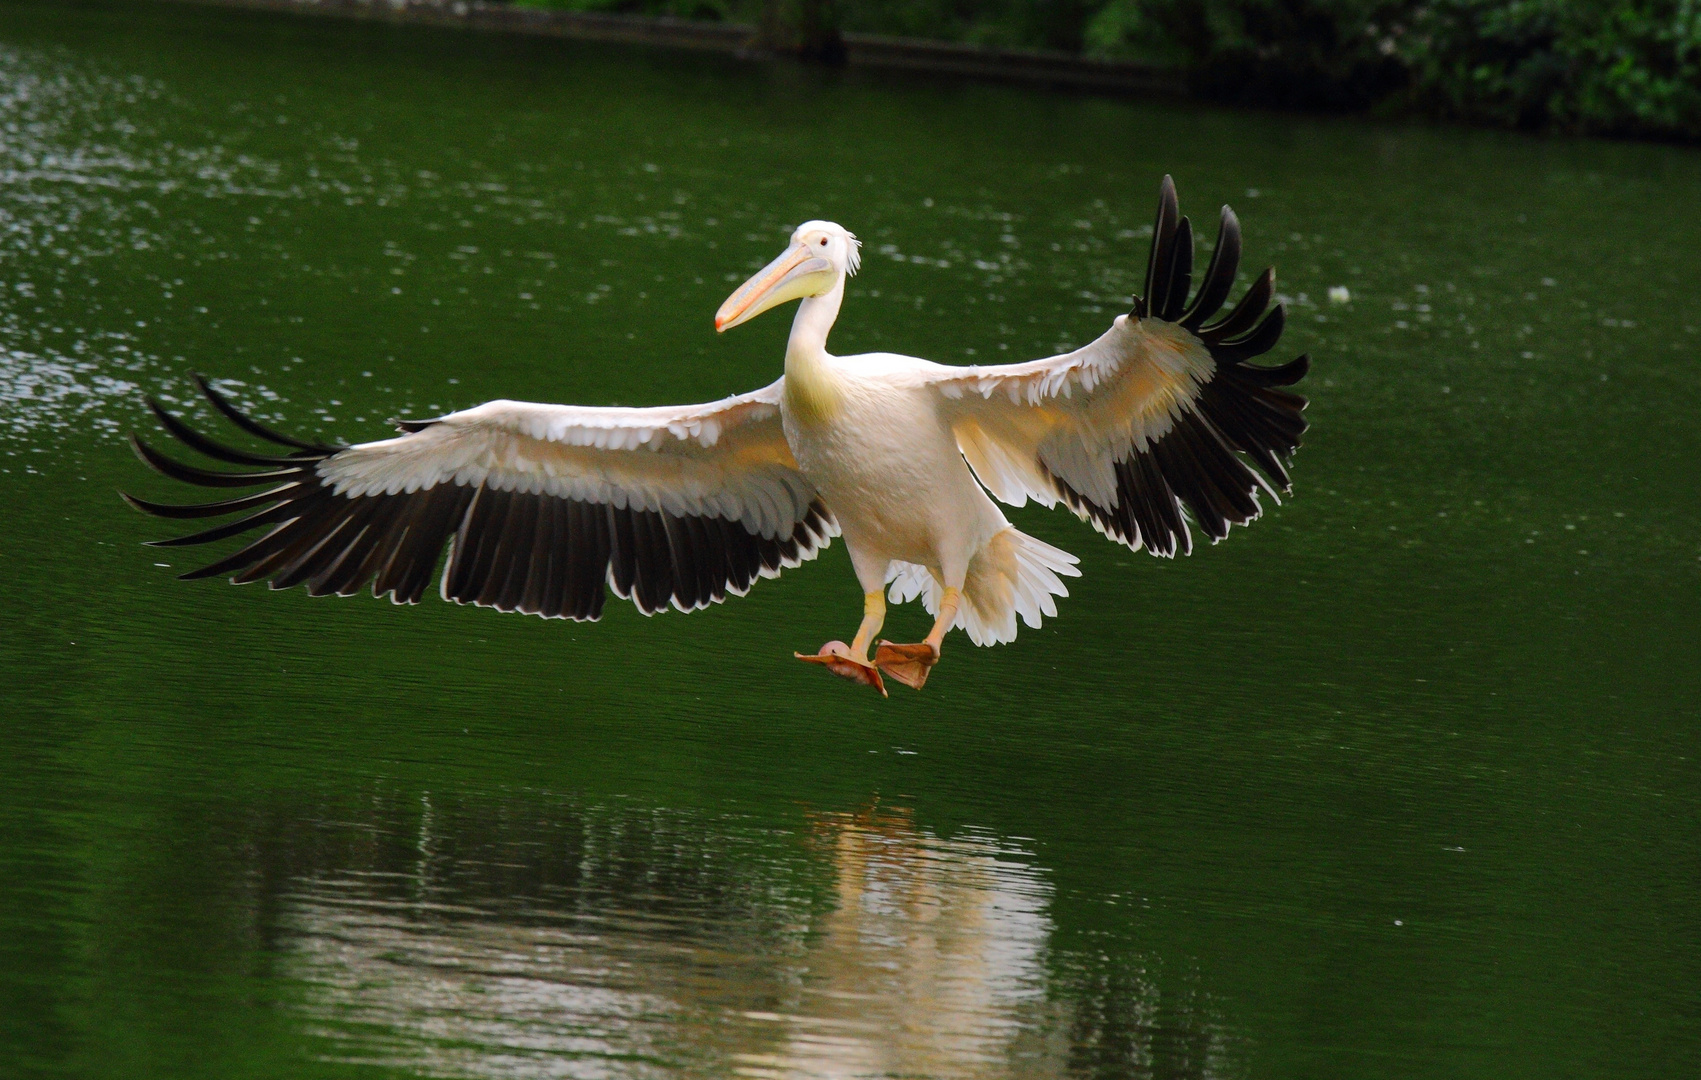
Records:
x=873, y=949
x=928, y=964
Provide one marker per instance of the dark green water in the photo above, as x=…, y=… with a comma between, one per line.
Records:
x=1400, y=782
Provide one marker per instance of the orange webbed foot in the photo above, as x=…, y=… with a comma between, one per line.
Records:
x=909, y=664
x=836, y=657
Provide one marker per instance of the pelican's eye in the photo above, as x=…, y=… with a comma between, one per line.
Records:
x=823, y=241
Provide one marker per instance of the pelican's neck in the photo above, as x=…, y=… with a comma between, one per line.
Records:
x=814, y=321
x=810, y=382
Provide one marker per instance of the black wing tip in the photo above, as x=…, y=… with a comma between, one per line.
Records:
x=153, y=509
x=155, y=460
x=1286, y=374
x=1242, y=431
x=254, y=427
x=212, y=448
x=293, y=473
x=272, y=467
x=1161, y=259
x=1252, y=328
x=1218, y=281
x=189, y=474
x=1172, y=236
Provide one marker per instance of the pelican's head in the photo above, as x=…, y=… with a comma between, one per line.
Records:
x=821, y=254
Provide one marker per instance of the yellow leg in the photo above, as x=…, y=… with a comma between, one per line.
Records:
x=851, y=661
x=909, y=664
x=947, y=615
x=873, y=618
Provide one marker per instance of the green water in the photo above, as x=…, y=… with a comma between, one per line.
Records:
x=1399, y=782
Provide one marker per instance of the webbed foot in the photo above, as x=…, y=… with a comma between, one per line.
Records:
x=909, y=664
x=836, y=657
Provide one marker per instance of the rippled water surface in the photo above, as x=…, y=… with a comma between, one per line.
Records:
x=1400, y=782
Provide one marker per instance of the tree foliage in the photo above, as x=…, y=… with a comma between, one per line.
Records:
x=1624, y=67
x=1627, y=67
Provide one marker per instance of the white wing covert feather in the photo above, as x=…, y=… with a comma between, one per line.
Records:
x=1073, y=416
x=543, y=508
x=1160, y=415
x=727, y=458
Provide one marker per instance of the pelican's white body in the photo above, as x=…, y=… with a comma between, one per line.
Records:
x=888, y=465
x=873, y=440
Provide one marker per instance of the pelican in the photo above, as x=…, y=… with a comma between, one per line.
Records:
x=1158, y=426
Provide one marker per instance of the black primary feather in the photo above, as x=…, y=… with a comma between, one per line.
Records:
x=1242, y=410
x=515, y=551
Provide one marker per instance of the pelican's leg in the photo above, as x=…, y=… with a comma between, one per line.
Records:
x=873, y=618
x=851, y=661
x=909, y=664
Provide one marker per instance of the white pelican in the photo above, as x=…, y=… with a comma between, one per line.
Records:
x=1158, y=422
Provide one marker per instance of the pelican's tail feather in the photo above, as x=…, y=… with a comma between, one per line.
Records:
x=1013, y=574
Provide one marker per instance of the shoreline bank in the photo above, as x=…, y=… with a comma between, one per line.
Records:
x=741, y=40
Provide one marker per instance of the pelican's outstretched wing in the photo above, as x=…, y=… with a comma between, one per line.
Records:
x=540, y=505
x=1160, y=413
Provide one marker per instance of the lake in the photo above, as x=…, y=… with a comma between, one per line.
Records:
x=1400, y=781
